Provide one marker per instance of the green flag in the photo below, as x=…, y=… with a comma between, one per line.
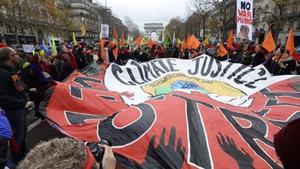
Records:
x=168, y=40
x=53, y=46
x=74, y=39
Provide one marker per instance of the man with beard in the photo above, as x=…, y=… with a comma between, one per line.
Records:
x=13, y=100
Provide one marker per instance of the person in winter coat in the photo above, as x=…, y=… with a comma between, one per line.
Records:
x=35, y=80
x=258, y=57
x=13, y=100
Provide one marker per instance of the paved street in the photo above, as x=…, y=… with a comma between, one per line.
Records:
x=41, y=131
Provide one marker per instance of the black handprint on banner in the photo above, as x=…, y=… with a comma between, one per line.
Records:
x=165, y=156
x=244, y=160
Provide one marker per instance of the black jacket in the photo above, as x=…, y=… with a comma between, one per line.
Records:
x=12, y=89
x=258, y=59
x=290, y=66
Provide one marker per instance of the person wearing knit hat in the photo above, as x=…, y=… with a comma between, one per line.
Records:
x=287, y=145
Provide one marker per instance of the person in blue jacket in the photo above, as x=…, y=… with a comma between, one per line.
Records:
x=5, y=136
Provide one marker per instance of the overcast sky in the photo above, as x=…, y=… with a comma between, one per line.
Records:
x=143, y=11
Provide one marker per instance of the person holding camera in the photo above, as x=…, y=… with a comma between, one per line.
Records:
x=67, y=153
x=13, y=100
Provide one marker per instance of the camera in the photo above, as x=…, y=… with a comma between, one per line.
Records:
x=98, y=151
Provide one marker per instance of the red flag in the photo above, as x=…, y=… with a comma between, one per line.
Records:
x=230, y=38
x=290, y=44
x=269, y=43
x=222, y=50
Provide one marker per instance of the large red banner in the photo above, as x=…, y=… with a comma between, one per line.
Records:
x=178, y=129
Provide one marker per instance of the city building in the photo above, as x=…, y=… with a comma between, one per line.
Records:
x=84, y=12
x=154, y=30
x=222, y=19
x=32, y=21
x=289, y=18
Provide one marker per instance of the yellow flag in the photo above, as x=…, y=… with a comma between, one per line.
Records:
x=179, y=42
x=83, y=30
x=206, y=41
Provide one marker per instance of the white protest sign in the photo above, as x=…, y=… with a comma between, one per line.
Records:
x=105, y=30
x=27, y=48
x=244, y=20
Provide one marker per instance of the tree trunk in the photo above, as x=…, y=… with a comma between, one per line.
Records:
x=16, y=25
x=203, y=24
x=276, y=29
x=224, y=24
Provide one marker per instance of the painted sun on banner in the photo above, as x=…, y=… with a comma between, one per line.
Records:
x=244, y=18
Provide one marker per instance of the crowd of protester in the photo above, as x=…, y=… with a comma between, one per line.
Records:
x=278, y=62
x=24, y=79
x=26, y=76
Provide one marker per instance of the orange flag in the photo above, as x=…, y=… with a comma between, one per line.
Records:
x=115, y=34
x=101, y=44
x=193, y=42
x=290, y=44
x=222, y=50
x=138, y=40
x=114, y=49
x=269, y=43
x=115, y=53
x=230, y=38
x=188, y=36
x=185, y=45
x=122, y=40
